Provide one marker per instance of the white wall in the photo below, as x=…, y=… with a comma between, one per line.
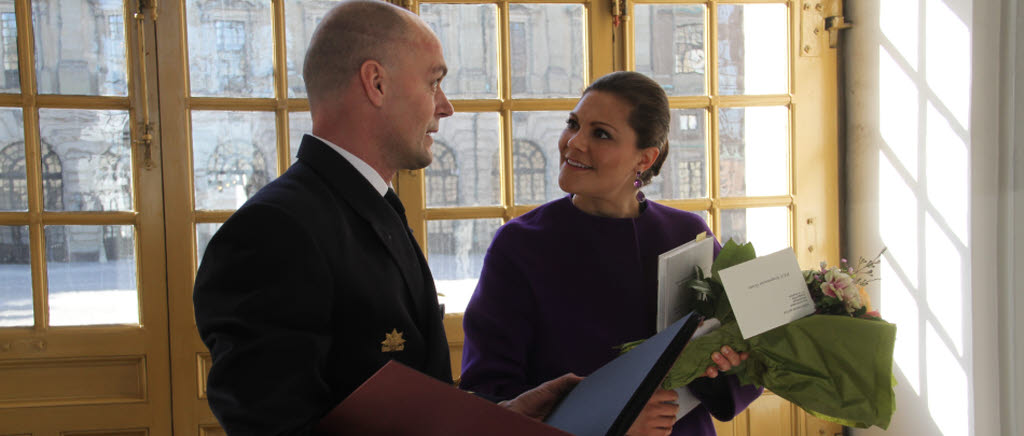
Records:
x=931, y=160
x=1012, y=225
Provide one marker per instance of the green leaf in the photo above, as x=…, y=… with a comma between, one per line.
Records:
x=731, y=254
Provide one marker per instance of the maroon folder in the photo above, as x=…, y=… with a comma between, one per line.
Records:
x=398, y=400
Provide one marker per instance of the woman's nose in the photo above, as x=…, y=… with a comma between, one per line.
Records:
x=575, y=141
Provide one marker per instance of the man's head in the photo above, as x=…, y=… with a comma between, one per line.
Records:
x=376, y=69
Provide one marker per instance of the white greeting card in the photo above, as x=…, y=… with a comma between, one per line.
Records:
x=767, y=292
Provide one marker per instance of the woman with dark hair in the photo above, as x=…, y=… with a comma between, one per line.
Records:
x=566, y=283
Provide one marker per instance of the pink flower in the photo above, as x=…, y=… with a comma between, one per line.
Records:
x=835, y=282
x=838, y=284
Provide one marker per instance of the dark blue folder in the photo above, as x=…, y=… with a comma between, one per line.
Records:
x=607, y=402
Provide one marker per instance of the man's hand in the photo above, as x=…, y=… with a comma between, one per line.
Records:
x=725, y=360
x=538, y=402
x=658, y=416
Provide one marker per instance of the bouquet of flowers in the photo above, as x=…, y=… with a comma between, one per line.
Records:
x=836, y=364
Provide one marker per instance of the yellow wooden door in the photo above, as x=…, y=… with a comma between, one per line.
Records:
x=233, y=104
x=83, y=303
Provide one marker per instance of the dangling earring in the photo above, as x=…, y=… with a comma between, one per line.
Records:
x=637, y=184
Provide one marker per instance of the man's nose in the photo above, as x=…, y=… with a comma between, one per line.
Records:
x=444, y=107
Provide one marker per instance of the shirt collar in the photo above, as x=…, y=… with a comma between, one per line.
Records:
x=365, y=169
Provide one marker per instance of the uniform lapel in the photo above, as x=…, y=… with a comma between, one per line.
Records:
x=350, y=186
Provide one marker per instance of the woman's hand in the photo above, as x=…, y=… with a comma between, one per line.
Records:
x=725, y=360
x=658, y=416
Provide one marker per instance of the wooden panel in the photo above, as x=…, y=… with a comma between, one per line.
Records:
x=453, y=329
x=203, y=361
x=736, y=427
x=130, y=432
x=819, y=427
x=123, y=419
x=211, y=430
x=72, y=381
x=770, y=415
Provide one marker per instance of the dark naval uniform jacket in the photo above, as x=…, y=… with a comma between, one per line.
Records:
x=308, y=289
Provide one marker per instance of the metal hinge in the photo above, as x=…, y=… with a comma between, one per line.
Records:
x=619, y=12
x=834, y=25
x=145, y=130
x=148, y=5
x=817, y=16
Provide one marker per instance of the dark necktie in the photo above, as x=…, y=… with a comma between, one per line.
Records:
x=396, y=204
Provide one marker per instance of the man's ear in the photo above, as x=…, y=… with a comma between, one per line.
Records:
x=371, y=76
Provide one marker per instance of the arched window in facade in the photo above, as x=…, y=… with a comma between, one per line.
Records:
x=529, y=167
x=442, y=177
x=14, y=242
x=442, y=190
x=237, y=164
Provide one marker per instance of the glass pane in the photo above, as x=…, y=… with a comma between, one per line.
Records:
x=230, y=49
x=13, y=181
x=91, y=275
x=79, y=47
x=234, y=154
x=535, y=157
x=299, y=124
x=467, y=34
x=204, y=231
x=547, y=47
x=759, y=135
x=455, y=249
x=683, y=174
x=10, y=82
x=753, y=38
x=465, y=167
x=86, y=159
x=670, y=46
x=766, y=227
x=15, y=277
x=301, y=18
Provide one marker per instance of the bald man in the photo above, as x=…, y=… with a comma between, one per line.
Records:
x=316, y=282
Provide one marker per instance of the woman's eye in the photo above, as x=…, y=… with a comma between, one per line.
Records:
x=601, y=134
x=571, y=124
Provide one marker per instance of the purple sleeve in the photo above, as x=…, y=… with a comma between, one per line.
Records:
x=723, y=396
x=498, y=325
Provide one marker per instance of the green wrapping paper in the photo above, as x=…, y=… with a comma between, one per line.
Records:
x=838, y=368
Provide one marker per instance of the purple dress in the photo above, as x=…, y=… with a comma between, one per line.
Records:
x=561, y=288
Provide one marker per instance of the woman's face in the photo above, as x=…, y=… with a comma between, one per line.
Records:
x=598, y=154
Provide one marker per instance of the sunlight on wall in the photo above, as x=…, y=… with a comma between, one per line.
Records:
x=898, y=113
x=947, y=173
x=924, y=205
x=944, y=284
x=948, y=59
x=897, y=222
x=907, y=352
x=947, y=386
x=898, y=21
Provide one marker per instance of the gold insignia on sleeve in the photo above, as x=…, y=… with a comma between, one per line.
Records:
x=392, y=342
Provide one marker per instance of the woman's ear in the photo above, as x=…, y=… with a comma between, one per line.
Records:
x=371, y=77
x=647, y=157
